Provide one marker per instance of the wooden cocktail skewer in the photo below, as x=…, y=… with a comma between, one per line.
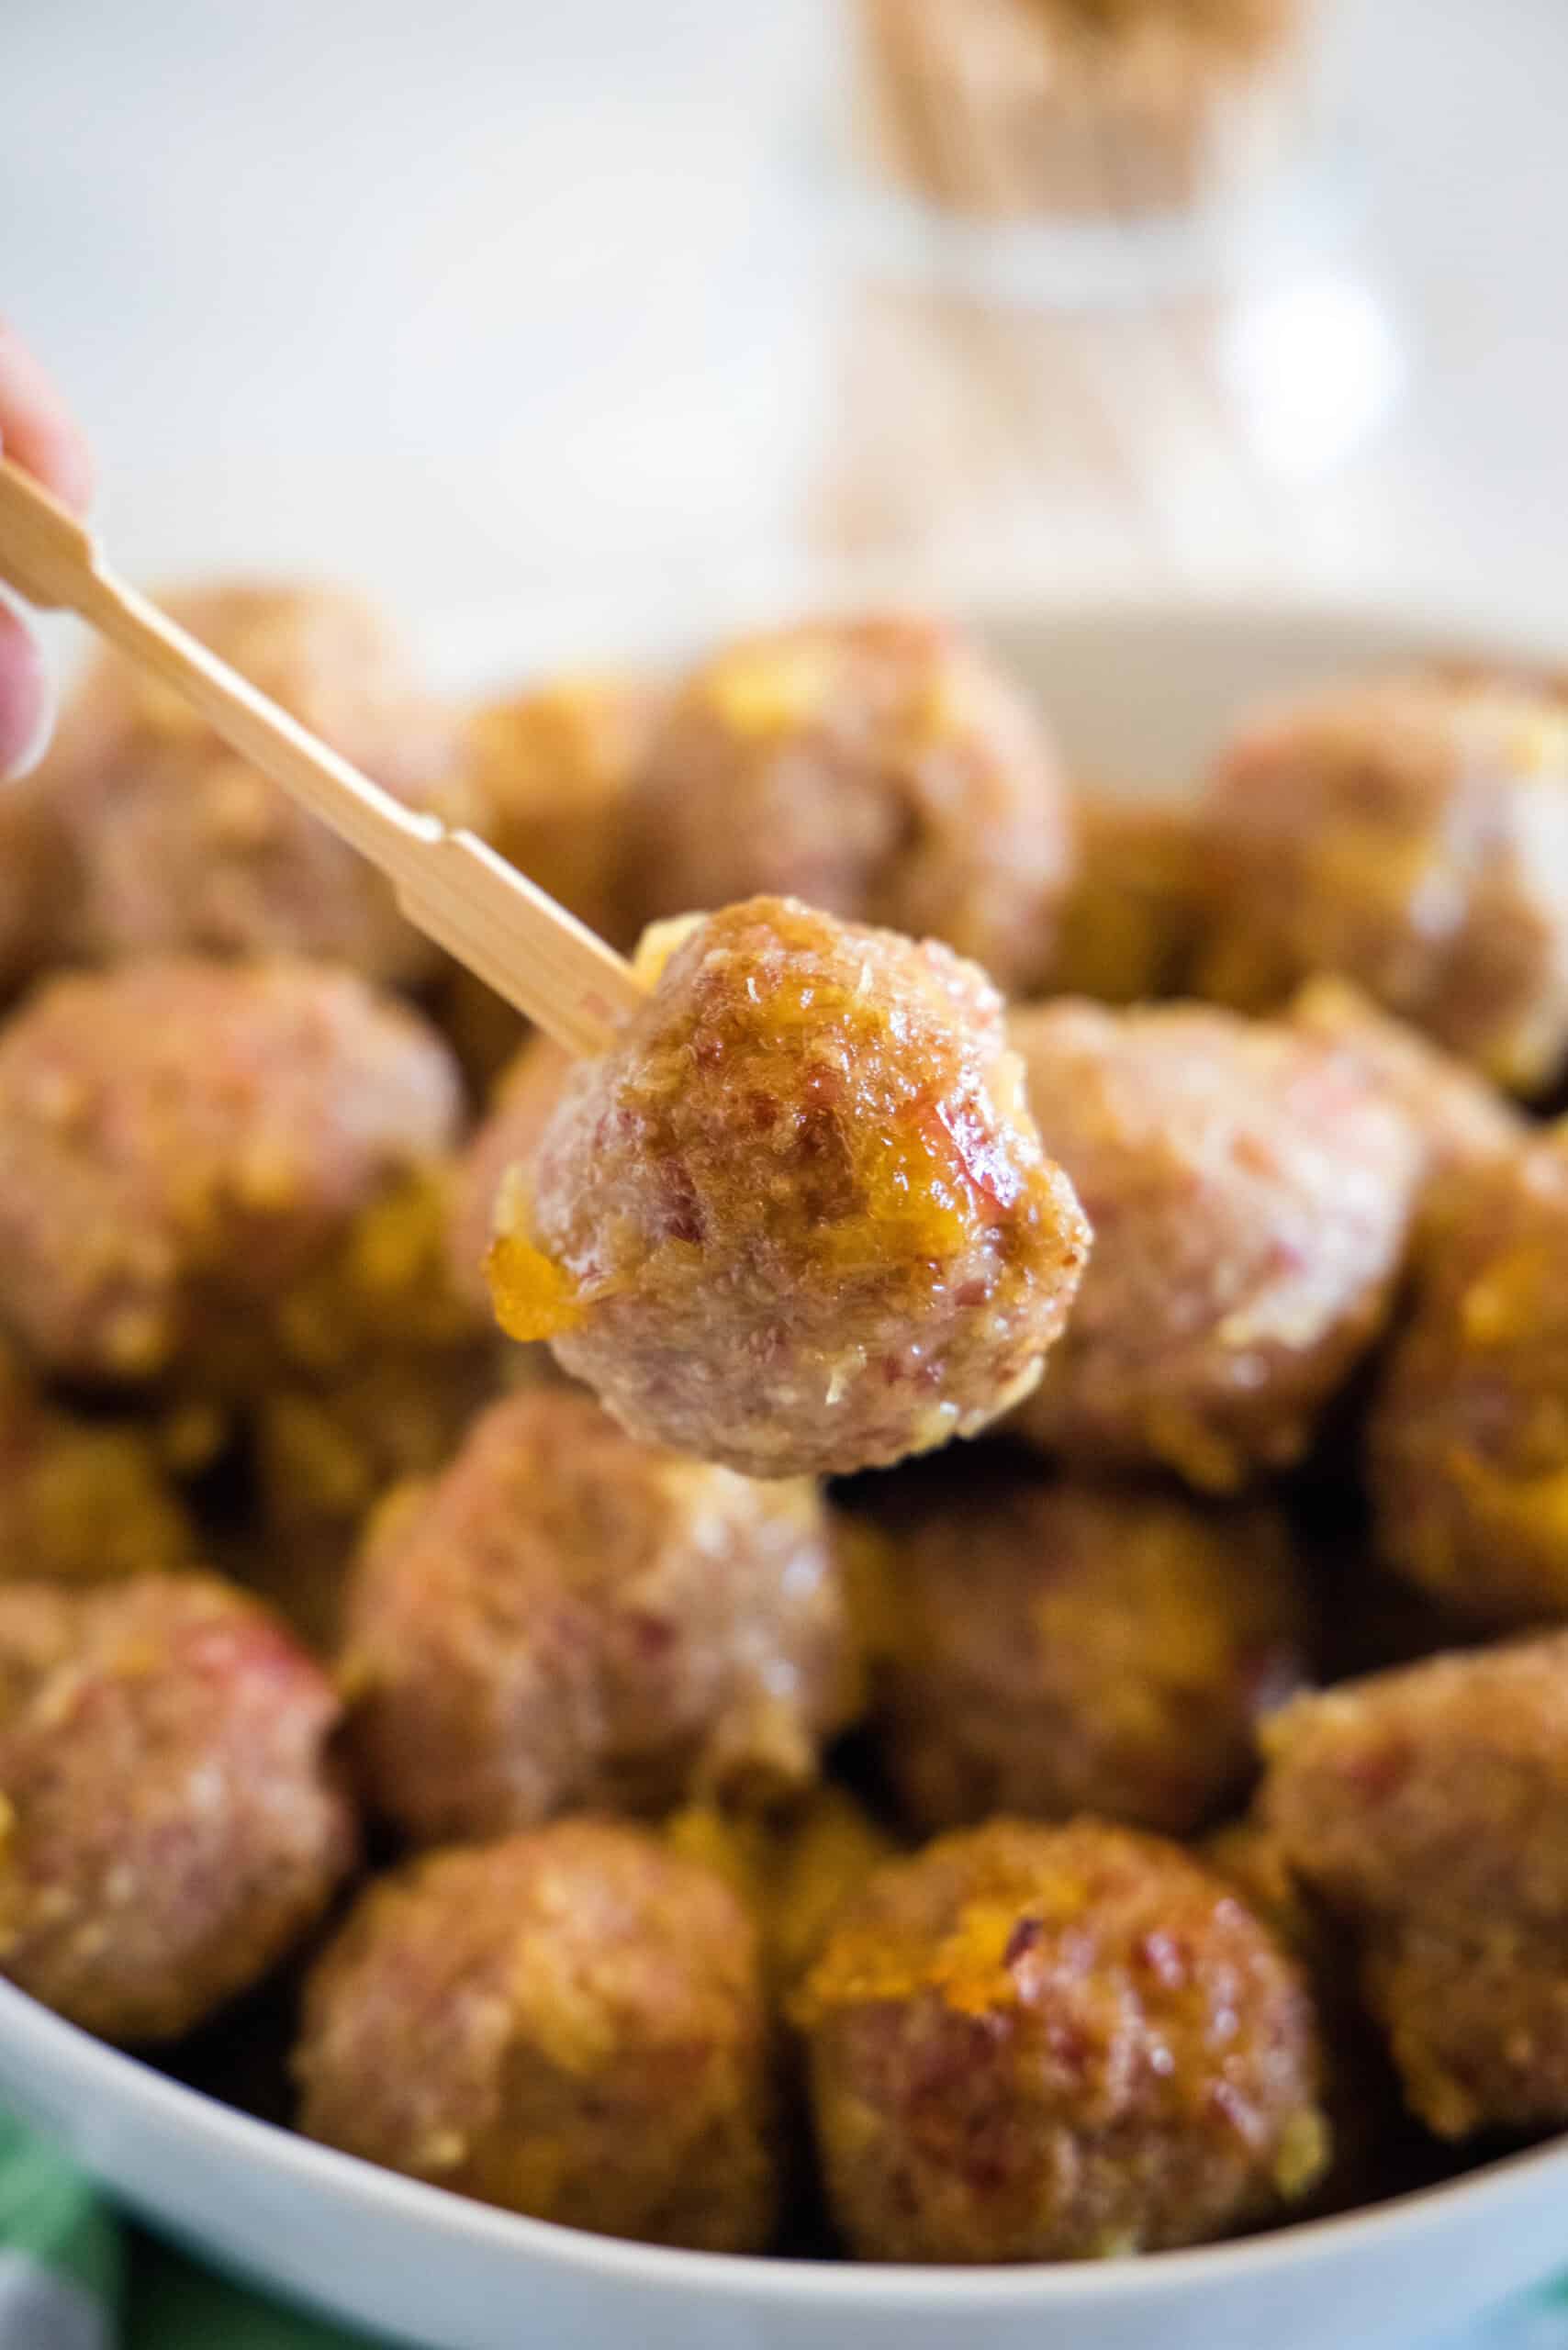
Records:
x=451, y=884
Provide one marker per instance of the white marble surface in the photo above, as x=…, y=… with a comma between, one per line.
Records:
x=531, y=299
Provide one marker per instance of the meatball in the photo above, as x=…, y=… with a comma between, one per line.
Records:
x=569, y=1619
x=1060, y=1647
x=180, y=1139
x=1425, y=1808
x=592, y=2042
x=1251, y=1196
x=177, y=843
x=1411, y=834
x=172, y=1823
x=797, y=1219
x=1134, y=917
x=1461, y=1121
x=1468, y=1433
x=1050, y=2044
x=882, y=769
x=508, y=1138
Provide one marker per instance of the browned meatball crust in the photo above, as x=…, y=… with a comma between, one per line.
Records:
x=1134, y=917
x=883, y=769
x=569, y=1619
x=1427, y=1808
x=179, y=1140
x=172, y=1821
x=177, y=843
x=1038, y=2043
x=798, y=1219
x=588, y=2036
x=1411, y=834
x=1461, y=1121
x=1058, y=1647
x=1250, y=1195
x=1468, y=1435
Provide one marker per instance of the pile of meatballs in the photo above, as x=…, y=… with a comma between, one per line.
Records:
x=1142, y=1820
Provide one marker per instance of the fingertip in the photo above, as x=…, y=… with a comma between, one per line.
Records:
x=37, y=429
x=26, y=699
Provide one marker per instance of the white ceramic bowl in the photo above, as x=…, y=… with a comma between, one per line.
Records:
x=1135, y=693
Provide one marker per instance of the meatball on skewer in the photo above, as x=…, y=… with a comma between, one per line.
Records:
x=592, y=2039
x=1053, y=2043
x=1411, y=834
x=797, y=1219
x=172, y=1821
x=1054, y=1646
x=1250, y=1195
x=882, y=769
x=569, y=1619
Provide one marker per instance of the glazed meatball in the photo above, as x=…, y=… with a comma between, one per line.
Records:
x=1468, y=1434
x=173, y=1824
x=592, y=2042
x=1058, y=1647
x=1461, y=1121
x=882, y=769
x=1038, y=2043
x=569, y=1619
x=1132, y=923
x=798, y=1219
x=1251, y=1196
x=180, y=1139
x=1412, y=834
x=1425, y=1808
x=81, y=1501
x=177, y=843
x=508, y=1138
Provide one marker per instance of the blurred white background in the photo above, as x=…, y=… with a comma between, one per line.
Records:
x=542, y=300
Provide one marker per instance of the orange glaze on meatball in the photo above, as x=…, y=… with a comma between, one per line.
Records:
x=798, y=1218
x=1053, y=2044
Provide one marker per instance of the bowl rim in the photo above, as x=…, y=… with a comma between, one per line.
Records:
x=86, y=2068
x=82, y=2064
